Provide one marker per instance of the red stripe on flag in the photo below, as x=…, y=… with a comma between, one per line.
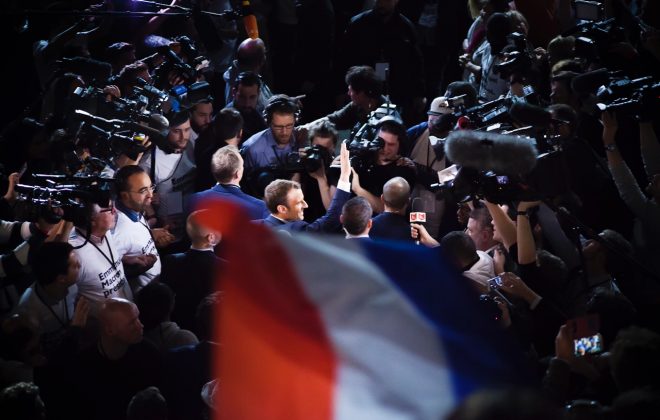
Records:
x=276, y=361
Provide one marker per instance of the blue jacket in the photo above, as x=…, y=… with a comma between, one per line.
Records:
x=329, y=223
x=256, y=209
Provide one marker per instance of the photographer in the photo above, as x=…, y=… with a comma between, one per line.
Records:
x=316, y=186
x=491, y=85
x=373, y=170
x=365, y=91
x=646, y=210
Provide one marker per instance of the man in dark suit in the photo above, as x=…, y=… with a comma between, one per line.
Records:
x=356, y=218
x=393, y=224
x=286, y=203
x=191, y=274
x=227, y=169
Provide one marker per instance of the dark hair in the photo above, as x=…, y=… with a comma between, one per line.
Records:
x=394, y=127
x=356, y=214
x=247, y=78
x=364, y=79
x=280, y=104
x=276, y=192
x=323, y=128
x=227, y=124
x=463, y=88
x=123, y=174
x=458, y=246
x=482, y=216
x=205, y=314
x=50, y=261
x=155, y=302
x=566, y=113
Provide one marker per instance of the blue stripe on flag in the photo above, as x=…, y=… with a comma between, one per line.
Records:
x=480, y=355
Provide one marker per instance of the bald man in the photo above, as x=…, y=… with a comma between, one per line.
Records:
x=392, y=224
x=250, y=56
x=109, y=374
x=191, y=274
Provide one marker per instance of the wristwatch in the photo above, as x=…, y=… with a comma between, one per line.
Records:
x=610, y=147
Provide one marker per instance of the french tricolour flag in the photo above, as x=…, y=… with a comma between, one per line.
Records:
x=314, y=328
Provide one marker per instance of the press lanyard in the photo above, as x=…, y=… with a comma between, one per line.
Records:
x=66, y=308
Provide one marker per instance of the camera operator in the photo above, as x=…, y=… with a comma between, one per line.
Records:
x=492, y=85
x=171, y=167
x=365, y=91
x=269, y=148
x=317, y=188
x=371, y=172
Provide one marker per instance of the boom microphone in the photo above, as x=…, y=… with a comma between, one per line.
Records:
x=589, y=82
x=249, y=20
x=486, y=151
x=529, y=114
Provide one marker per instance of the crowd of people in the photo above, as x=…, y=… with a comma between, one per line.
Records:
x=334, y=121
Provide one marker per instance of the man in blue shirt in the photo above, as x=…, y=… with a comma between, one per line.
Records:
x=271, y=146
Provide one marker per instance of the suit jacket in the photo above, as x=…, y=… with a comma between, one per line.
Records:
x=390, y=226
x=191, y=275
x=328, y=223
x=256, y=209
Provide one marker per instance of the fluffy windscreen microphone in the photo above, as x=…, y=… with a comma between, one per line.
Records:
x=589, y=82
x=529, y=114
x=484, y=151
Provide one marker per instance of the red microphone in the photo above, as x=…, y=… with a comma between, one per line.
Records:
x=249, y=20
x=417, y=216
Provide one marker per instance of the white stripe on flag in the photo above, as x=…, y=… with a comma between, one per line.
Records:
x=391, y=363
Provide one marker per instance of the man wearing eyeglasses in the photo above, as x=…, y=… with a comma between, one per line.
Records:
x=270, y=147
x=136, y=241
x=101, y=275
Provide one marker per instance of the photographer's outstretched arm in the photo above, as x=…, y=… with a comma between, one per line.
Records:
x=375, y=202
x=624, y=180
x=524, y=236
x=650, y=148
x=503, y=224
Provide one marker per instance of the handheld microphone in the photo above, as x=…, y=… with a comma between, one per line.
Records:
x=417, y=216
x=485, y=151
x=249, y=20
